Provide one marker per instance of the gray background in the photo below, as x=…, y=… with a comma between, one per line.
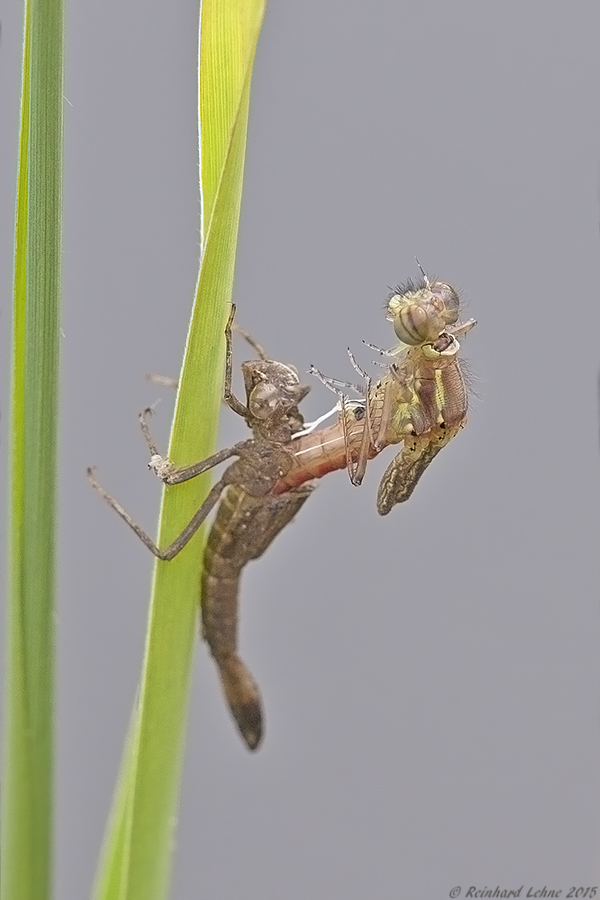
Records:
x=431, y=679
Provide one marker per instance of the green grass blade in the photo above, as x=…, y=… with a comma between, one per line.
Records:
x=26, y=811
x=138, y=846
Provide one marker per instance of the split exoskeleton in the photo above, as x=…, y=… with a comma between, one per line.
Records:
x=248, y=518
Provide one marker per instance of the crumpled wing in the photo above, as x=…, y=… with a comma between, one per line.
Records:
x=403, y=473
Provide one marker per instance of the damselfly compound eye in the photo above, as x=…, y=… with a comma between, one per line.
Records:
x=420, y=313
x=449, y=299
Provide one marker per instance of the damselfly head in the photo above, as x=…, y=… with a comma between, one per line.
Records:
x=420, y=312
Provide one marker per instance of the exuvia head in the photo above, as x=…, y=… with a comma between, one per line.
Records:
x=273, y=389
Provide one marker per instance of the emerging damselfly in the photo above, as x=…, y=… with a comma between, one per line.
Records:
x=421, y=400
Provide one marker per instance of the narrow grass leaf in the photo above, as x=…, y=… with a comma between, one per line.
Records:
x=137, y=853
x=26, y=811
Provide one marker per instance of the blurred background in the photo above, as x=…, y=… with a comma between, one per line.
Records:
x=431, y=679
